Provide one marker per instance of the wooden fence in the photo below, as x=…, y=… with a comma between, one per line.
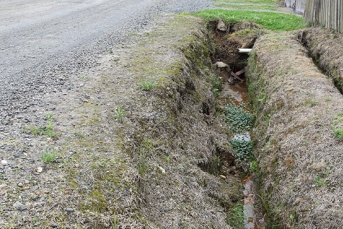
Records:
x=297, y=5
x=328, y=13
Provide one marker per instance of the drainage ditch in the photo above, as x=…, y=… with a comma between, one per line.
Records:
x=233, y=101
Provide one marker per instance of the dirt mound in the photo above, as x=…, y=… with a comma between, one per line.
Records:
x=326, y=49
x=298, y=134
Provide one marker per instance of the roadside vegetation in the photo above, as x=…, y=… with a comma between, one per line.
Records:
x=268, y=20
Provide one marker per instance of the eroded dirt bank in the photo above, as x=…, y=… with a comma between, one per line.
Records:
x=299, y=119
x=136, y=145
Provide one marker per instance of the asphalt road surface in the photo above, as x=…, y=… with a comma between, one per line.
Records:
x=44, y=42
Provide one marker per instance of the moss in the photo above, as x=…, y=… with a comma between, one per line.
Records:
x=97, y=203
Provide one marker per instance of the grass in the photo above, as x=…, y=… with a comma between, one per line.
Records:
x=246, y=7
x=235, y=217
x=268, y=20
x=147, y=85
x=47, y=130
x=250, y=1
x=48, y=156
x=119, y=114
x=319, y=181
x=338, y=133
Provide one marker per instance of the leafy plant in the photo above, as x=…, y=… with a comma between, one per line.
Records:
x=239, y=120
x=48, y=156
x=242, y=148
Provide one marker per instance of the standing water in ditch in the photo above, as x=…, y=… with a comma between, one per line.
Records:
x=234, y=101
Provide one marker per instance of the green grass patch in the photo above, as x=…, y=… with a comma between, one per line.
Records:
x=274, y=2
x=235, y=217
x=269, y=20
x=48, y=156
x=245, y=7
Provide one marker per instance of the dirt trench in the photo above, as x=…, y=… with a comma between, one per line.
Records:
x=297, y=132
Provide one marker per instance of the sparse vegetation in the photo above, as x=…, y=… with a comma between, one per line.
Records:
x=48, y=156
x=338, y=133
x=119, y=114
x=47, y=130
x=319, y=181
x=235, y=217
x=147, y=85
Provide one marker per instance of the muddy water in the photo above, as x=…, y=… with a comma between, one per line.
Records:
x=238, y=92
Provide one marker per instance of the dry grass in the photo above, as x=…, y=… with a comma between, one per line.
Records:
x=300, y=158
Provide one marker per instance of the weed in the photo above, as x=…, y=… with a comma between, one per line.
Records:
x=47, y=130
x=310, y=103
x=242, y=148
x=319, y=181
x=142, y=165
x=119, y=114
x=217, y=86
x=147, y=85
x=48, y=156
x=167, y=159
x=239, y=120
x=235, y=216
x=253, y=166
x=215, y=165
x=338, y=133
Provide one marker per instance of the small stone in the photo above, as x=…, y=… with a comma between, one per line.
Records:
x=54, y=225
x=220, y=64
x=34, y=197
x=69, y=209
x=39, y=169
x=222, y=176
x=77, y=165
x=221, y=26
x=19, y=206
x=4, y=162
x=26, y=182
x=20, y=184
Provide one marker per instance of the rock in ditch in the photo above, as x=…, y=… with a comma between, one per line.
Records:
x=221, y=26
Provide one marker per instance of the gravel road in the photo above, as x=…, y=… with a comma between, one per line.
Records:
x=44, y=42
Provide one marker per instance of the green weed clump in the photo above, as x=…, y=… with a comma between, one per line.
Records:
x=47, y=130
x=268, y=20
x=235, y=217
x=239, y=120
x=147, y=85
x=48, y=156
